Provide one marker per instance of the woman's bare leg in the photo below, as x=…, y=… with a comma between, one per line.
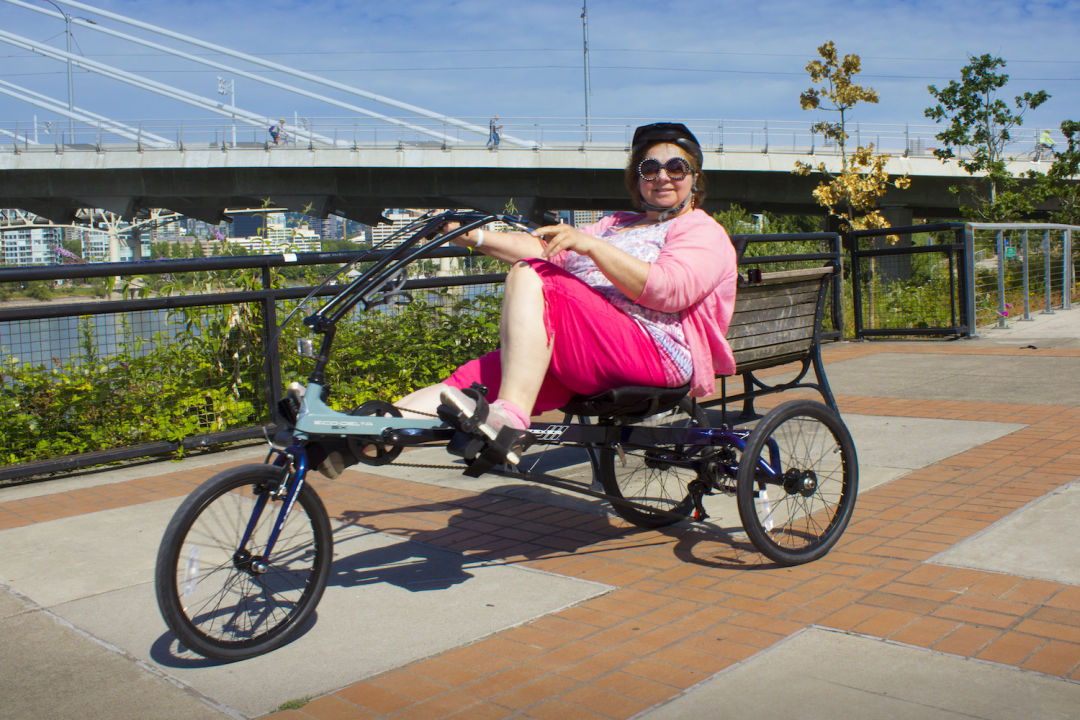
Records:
x=524, y=349
x=422, y=402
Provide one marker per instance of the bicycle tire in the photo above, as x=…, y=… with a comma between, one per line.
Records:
x=815, y=494
x=211, y=603
x=655, y=476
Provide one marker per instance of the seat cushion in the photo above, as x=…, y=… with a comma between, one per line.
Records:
x=631, y=402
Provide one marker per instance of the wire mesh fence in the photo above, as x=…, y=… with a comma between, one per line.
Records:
x=193, y=352
x=908, y=281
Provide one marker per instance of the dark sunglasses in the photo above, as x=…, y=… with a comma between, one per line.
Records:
x=676, y=169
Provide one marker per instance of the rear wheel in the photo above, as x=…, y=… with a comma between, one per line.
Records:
x=224, y=600
x=797, y=482
x=657, y=476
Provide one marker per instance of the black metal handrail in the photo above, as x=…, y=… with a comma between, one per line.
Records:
x=958, y=276
x=267, y=298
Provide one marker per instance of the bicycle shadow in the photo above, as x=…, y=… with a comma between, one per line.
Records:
x=437, y=559
x=423, y=561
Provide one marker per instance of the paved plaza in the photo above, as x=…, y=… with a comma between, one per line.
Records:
x=954, y=593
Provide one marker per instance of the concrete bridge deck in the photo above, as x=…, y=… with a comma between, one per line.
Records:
x=361, y=182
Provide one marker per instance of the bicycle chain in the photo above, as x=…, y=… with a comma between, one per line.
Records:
x=424, y=466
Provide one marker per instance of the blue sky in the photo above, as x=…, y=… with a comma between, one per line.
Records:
x=719, y=59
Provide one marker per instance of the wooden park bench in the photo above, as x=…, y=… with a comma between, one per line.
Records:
x=777, y=321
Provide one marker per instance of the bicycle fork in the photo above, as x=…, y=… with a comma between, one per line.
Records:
x=294, y=459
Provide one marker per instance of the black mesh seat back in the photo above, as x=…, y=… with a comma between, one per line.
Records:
x=631, y=403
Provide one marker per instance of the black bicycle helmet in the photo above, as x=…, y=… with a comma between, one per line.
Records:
x=670, y=132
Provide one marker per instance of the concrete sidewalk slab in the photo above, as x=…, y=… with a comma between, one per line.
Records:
x=394, y=600
x=823, y=675
x=390, y=601
x=1057, y=329
x=1034, y=380
x=53, y=671
x=1041, y=540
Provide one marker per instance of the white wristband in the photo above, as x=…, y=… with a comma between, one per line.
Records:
x=479, y=237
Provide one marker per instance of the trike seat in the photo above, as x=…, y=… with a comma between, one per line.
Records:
x=632, y=402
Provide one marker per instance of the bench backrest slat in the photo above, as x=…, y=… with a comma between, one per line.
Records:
x=774, y=320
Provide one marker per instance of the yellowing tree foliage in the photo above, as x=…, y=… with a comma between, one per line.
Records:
x=853, y=194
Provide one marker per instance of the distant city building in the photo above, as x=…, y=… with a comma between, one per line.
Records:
x=31, y=245
x=585, y=217
x=95, y=245
x=247, y=224
x=279, y=238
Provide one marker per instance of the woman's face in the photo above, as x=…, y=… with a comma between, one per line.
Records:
x=663, y=191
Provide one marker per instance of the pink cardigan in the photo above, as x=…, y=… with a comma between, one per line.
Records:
x=695, y=275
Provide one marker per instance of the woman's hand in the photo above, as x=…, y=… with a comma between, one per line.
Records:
x=626, y=272
x=557, y=238
x=464, y=240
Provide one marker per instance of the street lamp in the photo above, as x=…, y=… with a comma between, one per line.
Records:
x=585, y=47
x=71, y=87
x=229, y=87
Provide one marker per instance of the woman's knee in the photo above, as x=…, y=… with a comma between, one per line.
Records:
x=522, y=277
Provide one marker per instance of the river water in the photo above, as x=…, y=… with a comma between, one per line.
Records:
x=50, y=342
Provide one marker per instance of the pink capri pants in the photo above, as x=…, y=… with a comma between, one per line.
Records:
x=595, y=346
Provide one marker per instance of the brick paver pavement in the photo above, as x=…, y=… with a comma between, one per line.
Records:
x=687, y=605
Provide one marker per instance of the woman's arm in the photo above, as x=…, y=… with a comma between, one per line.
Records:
x=509, y=247
x=626, y=272
x=697, y=257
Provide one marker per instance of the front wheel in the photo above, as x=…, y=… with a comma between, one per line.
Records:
x=797, y=482
x=221, y=597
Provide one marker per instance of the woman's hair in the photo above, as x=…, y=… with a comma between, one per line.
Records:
x=637, y=153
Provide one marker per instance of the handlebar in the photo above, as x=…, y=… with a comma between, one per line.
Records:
x=386, y=277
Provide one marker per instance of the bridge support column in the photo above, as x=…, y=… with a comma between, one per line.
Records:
x=897, y=216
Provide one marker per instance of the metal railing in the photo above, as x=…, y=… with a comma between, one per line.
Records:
x=1018, y=266
x=53, y=334
x=353, y=132
x=910, y=281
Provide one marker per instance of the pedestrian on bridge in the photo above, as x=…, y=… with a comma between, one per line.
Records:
x=277, y=132
x=638, y=298
x=493, y=133
x=1046, y=144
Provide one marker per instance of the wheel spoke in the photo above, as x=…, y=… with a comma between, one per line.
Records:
x=814, y=494
x=230, y=602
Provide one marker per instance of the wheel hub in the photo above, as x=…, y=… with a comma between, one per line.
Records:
x=802, y=482
x=246, y=562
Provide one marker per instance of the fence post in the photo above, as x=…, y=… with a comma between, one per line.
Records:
x=1066, y=270
x=1027, y=291
x=1048, y=284
x=968, y=288
x=838, y=285
x=271, y=352
x=1000, y=242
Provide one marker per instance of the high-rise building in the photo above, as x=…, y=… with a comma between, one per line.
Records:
x=31, y=245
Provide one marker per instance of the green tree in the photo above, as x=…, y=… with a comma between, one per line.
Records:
x=979, y=128
x=1059, y=183
x=852, y=195
x=72, y=245
x=39, y=290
